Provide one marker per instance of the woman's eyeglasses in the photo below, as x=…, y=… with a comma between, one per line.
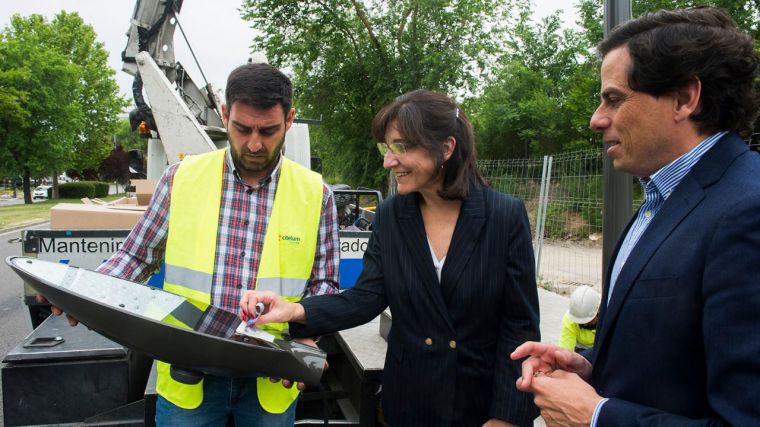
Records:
x=396, y=148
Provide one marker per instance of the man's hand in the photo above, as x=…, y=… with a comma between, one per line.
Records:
x=564, y=398
x=545, y=358
x=299, y=385
x=56, y=310
x=277, y=309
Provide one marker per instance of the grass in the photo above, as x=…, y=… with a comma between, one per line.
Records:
x=19, y=215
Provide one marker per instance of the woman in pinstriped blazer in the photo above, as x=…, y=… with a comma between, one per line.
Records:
x=453, y=260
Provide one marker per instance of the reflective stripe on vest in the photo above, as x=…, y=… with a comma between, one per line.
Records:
x=191, y=243
x=289, y=288
x=286, y=261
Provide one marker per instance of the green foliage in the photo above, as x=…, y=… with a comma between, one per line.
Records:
x=129, y=140
x=76, y=190
x=349, y=58
x=541, y=95
x=12, y=115
x=100, y=189
x=746, y=13
x=540, y=98
x=65, y=99
x=97, y=91
x=511, y=185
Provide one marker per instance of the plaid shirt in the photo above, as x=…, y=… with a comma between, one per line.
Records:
x=243, y=219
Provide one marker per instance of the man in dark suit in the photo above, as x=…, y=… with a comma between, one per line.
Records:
x=678, y=340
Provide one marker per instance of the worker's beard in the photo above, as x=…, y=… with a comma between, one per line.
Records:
x=253, y=162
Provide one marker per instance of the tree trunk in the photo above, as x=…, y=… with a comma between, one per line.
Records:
x=54, y=193
x=27, y=187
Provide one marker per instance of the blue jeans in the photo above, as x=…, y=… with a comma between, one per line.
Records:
x=224, y=397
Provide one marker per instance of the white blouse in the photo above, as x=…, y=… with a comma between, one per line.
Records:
x=436, y=263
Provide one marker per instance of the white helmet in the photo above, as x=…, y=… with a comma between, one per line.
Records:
x=584, y=303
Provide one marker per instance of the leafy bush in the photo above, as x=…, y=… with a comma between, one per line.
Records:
x=101, y=189
x=556, y=220
x=76, y=190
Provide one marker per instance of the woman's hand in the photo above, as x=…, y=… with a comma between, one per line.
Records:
x=495, y=422
x=277, y=310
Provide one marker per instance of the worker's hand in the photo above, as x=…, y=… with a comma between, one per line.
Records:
x=277, y=309
x=56, y=310
x=495, y=422
x=565, y=399
x=299, y=385
x=544, y=358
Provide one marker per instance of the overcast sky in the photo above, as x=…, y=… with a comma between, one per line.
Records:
x=217, y=34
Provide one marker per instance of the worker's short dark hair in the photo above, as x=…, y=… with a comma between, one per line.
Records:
x=670, y=48
x=426, y=119
x=259, y=85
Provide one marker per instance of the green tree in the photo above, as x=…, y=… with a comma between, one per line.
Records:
x=541, y=95
x=349, y=58
x=12, y=115
x=97, y=92
x=746, y=13
x=69, y=97
x=130, y=140
x=35, y=146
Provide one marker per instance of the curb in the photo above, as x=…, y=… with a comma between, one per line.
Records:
x=21, y=227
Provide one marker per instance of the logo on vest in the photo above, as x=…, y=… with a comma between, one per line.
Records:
x=290, y=239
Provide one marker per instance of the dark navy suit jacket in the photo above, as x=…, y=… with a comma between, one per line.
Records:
x=448, y=349
x=679, y=342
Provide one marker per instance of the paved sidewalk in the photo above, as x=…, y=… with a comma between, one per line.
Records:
x=553, y=307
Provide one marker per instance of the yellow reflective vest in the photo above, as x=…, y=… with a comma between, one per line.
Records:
x=573, y=335
x=286, y=261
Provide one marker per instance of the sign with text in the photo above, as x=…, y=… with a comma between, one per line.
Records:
x=352, y=247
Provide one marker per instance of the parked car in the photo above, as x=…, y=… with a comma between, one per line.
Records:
x=41, y=192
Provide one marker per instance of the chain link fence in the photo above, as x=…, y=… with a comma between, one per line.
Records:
x=569, y=250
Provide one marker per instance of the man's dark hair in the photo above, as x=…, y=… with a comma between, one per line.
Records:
x=670, y=48
x=259, y=85
x=426, y=119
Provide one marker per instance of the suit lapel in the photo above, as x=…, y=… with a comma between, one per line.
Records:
x=467, y=233
x=687, y=195
x=674, y=210
x=413, y=234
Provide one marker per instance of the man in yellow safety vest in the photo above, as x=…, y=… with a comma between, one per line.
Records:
x=232, y=220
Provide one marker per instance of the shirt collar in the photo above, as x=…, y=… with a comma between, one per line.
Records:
x=669, y=176
x=263, y=181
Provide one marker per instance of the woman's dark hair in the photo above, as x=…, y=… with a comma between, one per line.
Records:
x=426, y=119
x=259, y=85
x=670, y=48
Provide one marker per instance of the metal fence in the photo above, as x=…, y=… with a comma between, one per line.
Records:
x=569, y=250
x=563, y=196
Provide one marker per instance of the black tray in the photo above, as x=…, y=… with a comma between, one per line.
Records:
x=135, y=316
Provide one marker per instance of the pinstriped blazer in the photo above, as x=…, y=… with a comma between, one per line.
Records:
x=448, y=348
